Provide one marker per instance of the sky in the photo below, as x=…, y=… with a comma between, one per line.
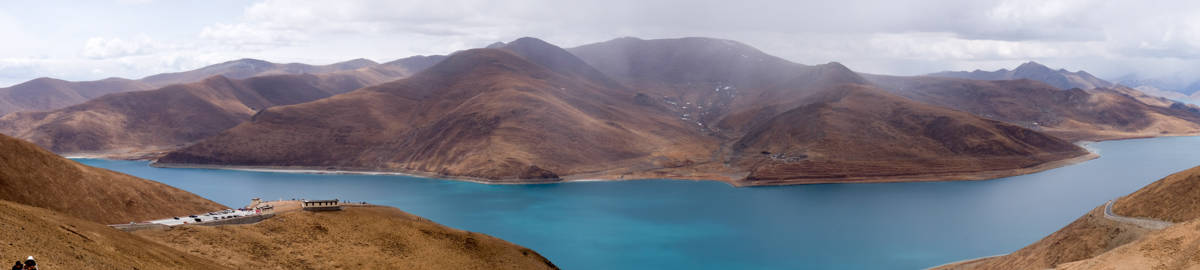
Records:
x=88, y=40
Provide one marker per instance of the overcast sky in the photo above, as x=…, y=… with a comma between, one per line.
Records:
x=85, y=40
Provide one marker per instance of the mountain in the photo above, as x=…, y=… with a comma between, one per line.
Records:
x=46, y=93
x=1184, y=84
x=246, y=68
x=33, y=176
x=1075, y=114
x=683, y=108
x=146, y=121
x=485, y=113
x=1097, y=241
x=1061, y=79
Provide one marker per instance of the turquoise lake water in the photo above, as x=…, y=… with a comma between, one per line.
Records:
x=670, y=224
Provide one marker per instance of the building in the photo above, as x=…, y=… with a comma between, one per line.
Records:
x=322, y=205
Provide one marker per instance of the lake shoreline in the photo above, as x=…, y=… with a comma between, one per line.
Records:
x=592, y=177
x=648, y=175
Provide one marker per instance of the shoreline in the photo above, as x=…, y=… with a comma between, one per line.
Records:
x=1092, y=153
x=951, y=265
x=936, y=177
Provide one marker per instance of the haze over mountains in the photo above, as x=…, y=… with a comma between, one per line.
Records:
x=1074, y=114
x=1062, y=79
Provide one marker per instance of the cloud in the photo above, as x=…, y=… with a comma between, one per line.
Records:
x=252, y=36
x=1106, y=37
x=104, y=48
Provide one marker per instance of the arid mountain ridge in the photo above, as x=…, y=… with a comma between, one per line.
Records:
x=695, y=108
x=48, y=94
x=683, y=108
x=141, y=122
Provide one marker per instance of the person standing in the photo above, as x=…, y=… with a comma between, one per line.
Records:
x=18, y=266
x=30, y=264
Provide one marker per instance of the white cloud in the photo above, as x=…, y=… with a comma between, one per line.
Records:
x=1106, y=37
x=251, y=36
x=134, y=2
x=103, y=48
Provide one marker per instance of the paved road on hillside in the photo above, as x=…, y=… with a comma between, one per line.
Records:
x=1140, y=222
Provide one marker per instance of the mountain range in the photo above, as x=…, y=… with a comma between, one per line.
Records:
x=1061, y=78
x=682, y=108
x=44, y=94
x=529, y=111
x=141, y=122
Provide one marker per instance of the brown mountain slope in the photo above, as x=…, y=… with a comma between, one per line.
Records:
x=48, y=94
x=59, y=241
x=33, y=176
x=246, y=68
x=503, y=114
x=45, y=94
x=483, y=113
x=859, y=132
x=144, y=121
x=1096, y=242
x=1175, y=198
x=1097, y=114
x=1176, y=247
x=358, y=237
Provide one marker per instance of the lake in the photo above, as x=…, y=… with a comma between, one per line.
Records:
x=674, y=224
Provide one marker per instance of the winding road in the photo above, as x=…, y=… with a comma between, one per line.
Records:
x=1140, y=222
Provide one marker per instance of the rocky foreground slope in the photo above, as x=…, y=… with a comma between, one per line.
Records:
x=371, y=237
x=33, y=176
x=1096, y=242
x=56, y=210
x=693, y=108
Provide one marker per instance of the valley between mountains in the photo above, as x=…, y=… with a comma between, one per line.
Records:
x=528, y=111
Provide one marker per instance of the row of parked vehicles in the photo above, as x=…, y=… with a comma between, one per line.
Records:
x=218, y=215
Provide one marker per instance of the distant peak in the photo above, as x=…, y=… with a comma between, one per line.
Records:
x=834, y=65
x=528, y=41
x=1032, y=64
x=41, y=81
x=496, y=45
x=359, y=61
x=249, y=60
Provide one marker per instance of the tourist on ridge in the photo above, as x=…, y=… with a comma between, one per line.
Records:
x=18, y=266
x=30, y=264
